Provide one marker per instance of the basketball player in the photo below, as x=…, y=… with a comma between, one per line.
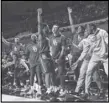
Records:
x=32, y=53
x=45, y=58
x=57, y=45
x=99, y=54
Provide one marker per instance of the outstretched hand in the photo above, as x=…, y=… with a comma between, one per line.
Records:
x=39, y=10
x=69, y=10
x=74, y=66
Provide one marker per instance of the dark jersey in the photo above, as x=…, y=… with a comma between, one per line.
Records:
x=56, y=44
x=44, y=45
x=32, y=51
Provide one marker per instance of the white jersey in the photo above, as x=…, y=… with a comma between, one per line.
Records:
x=101, y=42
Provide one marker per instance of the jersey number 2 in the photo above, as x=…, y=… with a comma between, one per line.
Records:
x=34, y=49
x=55, y=42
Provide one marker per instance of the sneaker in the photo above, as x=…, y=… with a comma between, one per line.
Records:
x=75, y=93
x=25, y=89
x=82, y=92
x=43, y=89
x=63, y=92
x=37, y=88
x=39, y=92
x=49, y=90
x=45, y=97
x=31, y=91
x=56, y=89
x=85, y=96
x=101, y=94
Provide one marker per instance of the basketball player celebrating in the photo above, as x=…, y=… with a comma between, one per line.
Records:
x=45, y=58
x=57, y=45
x=85, y=44
x=32, y=52
x=99, y=53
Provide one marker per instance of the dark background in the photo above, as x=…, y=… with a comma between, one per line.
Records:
x=21, y=16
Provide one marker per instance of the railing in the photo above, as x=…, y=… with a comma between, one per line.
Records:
x=97, y=21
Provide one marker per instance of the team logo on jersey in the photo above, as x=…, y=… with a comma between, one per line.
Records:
x=15, y=48
x=34, y=49
x=55, y=42
x=44, y=56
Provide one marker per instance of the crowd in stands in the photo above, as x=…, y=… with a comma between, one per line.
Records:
x=83, y=12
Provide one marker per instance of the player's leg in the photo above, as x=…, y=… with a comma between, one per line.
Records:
x=105, y=64
x=96, y=78
x=45, y=68
x=47, y=79
x=61, y=73
x=32, y=74
x=81, y=79
x=14, y=63
x=91, y=68
x=53, y=78
x=15, y=76
x=88, y=78
x=39, y=74
x=50, y=75
x=39, y=78
x=51, y=67
x=75, y=58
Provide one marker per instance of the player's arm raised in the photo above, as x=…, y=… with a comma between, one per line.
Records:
x=71, y=20
x=5, y=41
x=39, y=11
